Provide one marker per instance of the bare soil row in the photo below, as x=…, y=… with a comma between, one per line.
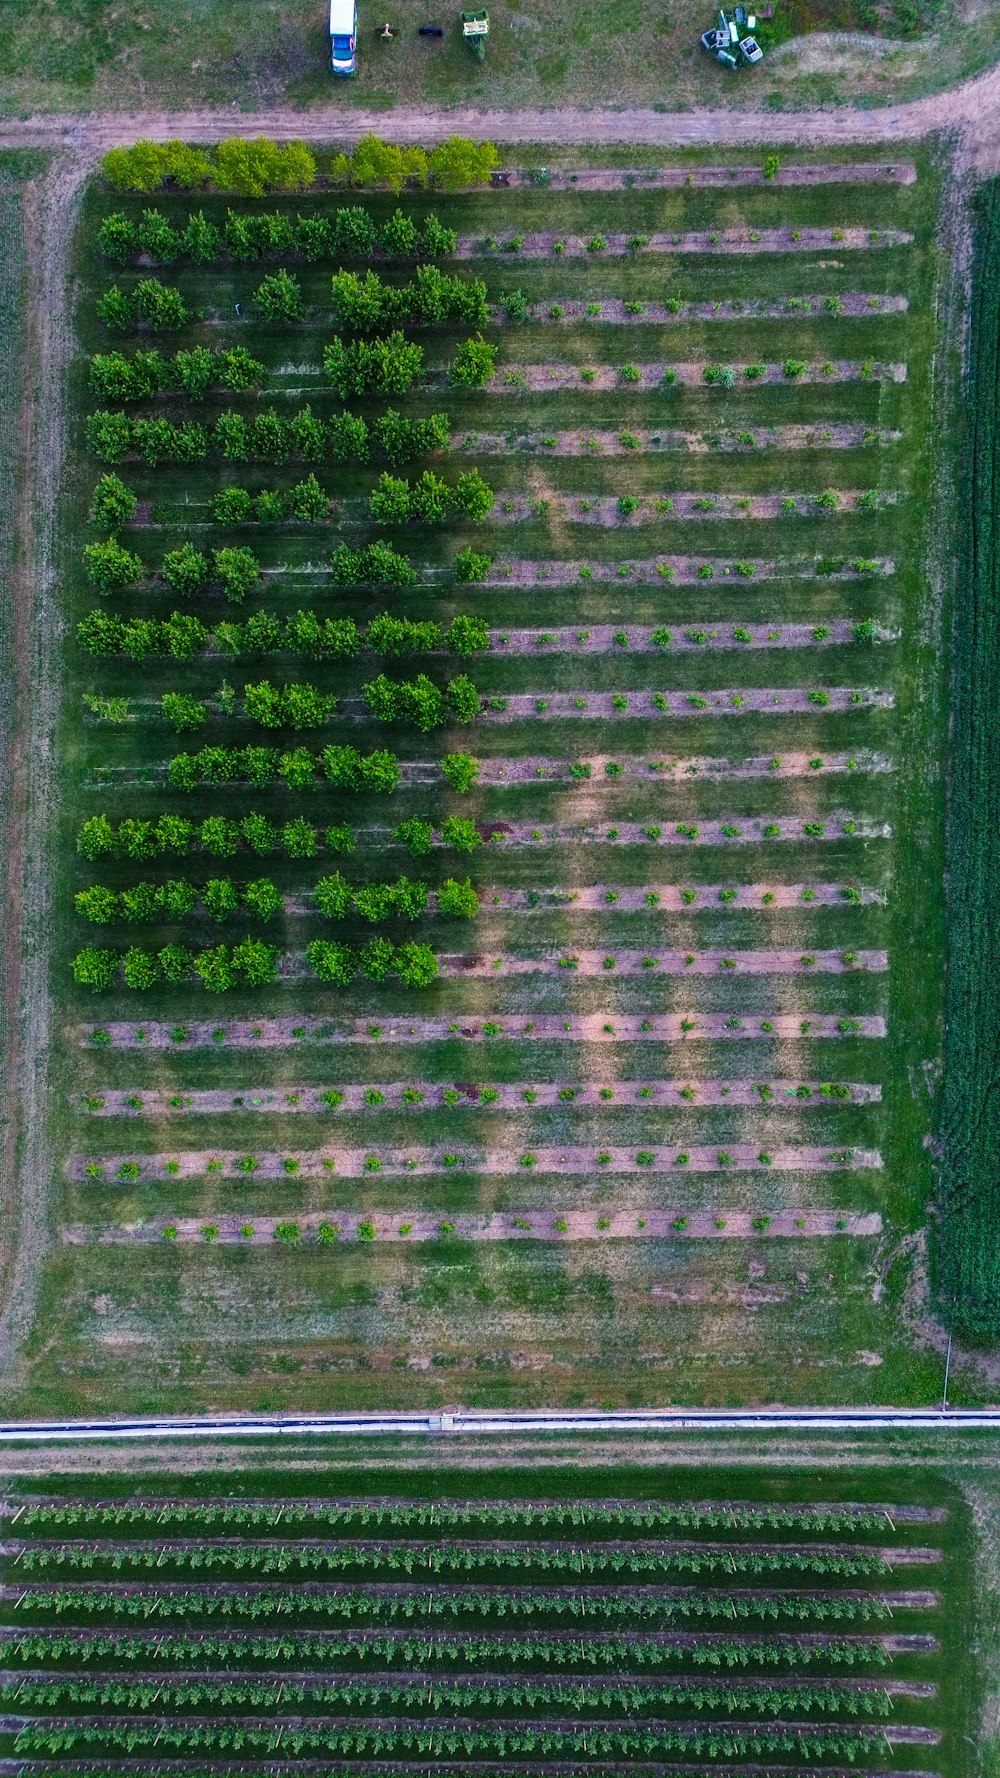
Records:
x=681, y=374
x=647, y=570
x=674, y=178
x=609, y=706
x=359, y=1163
x=507, y=1096
x=597, y=1028
x=846, y=305
x=605, y=509
x=411, y=1226
x=540, y=244
x=833, y=436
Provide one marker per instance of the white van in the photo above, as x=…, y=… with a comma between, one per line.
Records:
x=343, y=36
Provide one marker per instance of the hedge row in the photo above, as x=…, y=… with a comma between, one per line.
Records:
x=270, y=437
x=222, y=899
x=115, y=376
x=259, y=166
x=349, y=233
x=222, y=837
x=251, y=964
x=182, y=636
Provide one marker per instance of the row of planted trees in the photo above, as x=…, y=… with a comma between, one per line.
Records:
x=253, y=963
x=255, y=167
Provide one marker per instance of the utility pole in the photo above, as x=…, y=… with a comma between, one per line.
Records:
x=947, y=1369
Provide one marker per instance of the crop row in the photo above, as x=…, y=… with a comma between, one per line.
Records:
x=586, y=1028
x=454, y=1558
x=182, y=636
x=270, y=437
x=349, y=233
x=409, y=1604
x=614, y=1697
x=325, y=1649
x=345, y=234
x=255, y=167
x=468, y=1738
x=252, y=963
x=223, y=836
x=222, y=899
x=432, y=1095
x=445, y=1515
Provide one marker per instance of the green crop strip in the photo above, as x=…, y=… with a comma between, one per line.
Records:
x=968, y=1250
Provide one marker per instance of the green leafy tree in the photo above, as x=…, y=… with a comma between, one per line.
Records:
x=259, y=833
x=110, y=567
x=416, y=834
x=472, y=565
x=256, y=167
x=182, y=711
x=460, y=770
x=279, y=297
x=96, y=838
x=238, y=570
x=160, y=306
x=458, y=163
x=471, y=497
x=114, y=504
x=299, y=839
x=109, y=436
x=377, y=959
x=458, y=899
x=220, y=836
x=416, y=965
x=332, y=962
x=256, y=961
x=95, y=968
x=176, y=963
x=461, y=833
x=232, y=506
x=141, y=968
x=216, y=969
x=220, y=898
x=390, y=499
x=117, y=237
x=333, y=896
x=467, y=635
x=196, y=371
x=475, y=362
x=308, y=503
x=262, y=899
x=397, y=239
x=186, y=569
x=202, y=240
x=462, y=698
x=238, y=370
x=142, y=167
x=97, y=903
x=383, y=166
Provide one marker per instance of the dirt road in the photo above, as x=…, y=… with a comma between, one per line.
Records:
x=970, y=112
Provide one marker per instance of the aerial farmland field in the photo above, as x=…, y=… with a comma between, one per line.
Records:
x=432, y=1619
x=499, y=913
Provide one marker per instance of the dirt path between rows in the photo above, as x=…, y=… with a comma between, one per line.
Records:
x=969, y=112
x=574, y=1028
x=29, y=760
x=508, y=1096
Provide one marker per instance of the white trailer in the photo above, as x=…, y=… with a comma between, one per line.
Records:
x=343, y=36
